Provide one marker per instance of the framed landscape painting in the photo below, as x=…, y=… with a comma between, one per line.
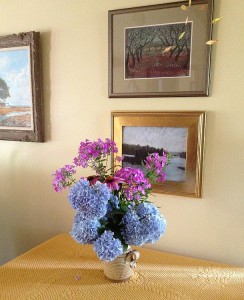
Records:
x=20, y=88
x=181, y=134
x=160, y=50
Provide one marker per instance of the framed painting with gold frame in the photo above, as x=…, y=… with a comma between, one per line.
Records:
x=139, y=133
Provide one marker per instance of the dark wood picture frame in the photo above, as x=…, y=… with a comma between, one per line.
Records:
x=31, y=131
x=192, y=122
x=134, y=46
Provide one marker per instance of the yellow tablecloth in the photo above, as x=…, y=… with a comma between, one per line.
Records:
x=62, y=269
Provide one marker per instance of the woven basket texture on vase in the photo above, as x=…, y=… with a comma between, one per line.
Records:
x=122, y=267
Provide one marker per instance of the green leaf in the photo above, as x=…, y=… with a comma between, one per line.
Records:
x=181, y=35
x=211, y=42
x=125, y=247
x=101, y=229
x=216, y=20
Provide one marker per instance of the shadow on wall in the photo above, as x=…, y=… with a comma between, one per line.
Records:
x=25, y=239
x=28, y=217
x=32, y=223
x=46, y=82
x=7, y=249
x=15, y=241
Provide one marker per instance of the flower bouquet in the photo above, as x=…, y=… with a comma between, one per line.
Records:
x=112, y=207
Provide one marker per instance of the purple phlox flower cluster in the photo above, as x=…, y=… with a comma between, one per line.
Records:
x=62, y=178
x=90, y=201
x=85, y=231
x=119, y=158
x=143, y=224
x=89, y=151
x=135, y=181
x=156, y=163
x=107, y=247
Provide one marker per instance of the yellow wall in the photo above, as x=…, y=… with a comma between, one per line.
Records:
x=75, y=69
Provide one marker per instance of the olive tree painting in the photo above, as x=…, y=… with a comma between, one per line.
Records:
x=158, y=51
x=15, y=89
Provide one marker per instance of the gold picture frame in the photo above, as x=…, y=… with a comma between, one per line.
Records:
x=182, y=132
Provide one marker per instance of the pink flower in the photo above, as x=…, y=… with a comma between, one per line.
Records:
x=113, y=182
x=93, y=179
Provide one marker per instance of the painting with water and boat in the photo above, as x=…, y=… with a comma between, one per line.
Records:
x=181, y=134
x=138, y=142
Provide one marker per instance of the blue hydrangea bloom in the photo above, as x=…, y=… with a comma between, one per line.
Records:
x=90, y=201
x=84, y=231
x=146, y=208
x=144, y=224
x=113, y=203
x=155, y=227
x=107, y=247
x=132, y=232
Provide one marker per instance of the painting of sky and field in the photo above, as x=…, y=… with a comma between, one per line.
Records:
x=138, y=142
x=158, y=51
x=15, y=89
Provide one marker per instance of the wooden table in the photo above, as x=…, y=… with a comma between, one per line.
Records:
x=62, y=269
